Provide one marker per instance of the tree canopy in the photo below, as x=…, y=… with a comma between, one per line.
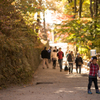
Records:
x=82, y=28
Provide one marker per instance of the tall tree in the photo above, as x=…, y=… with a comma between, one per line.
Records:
x=74, y=8
x=91, y=10
x=80, y=8
x=95, y=8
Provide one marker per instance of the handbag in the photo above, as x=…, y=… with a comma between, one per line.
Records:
x=79, y=63
x=66, y=68
x=53, y=59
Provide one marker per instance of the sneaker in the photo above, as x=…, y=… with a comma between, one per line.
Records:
x=89, y=92
x=60, y=70
x=97, y=92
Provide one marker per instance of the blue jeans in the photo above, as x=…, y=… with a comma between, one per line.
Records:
x=60, y=63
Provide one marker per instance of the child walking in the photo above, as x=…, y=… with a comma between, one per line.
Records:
x=94, y=68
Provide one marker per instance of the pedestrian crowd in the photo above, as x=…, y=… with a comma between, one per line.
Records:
x=56, y=57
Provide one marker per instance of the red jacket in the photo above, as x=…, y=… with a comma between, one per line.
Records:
x=60, y=55
x=93, y=69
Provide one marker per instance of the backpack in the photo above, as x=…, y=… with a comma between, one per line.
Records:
x=69, y=58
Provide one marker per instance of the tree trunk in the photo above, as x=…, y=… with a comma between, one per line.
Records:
x=91, y=10
x=80, y=9
x=70, y=1
x=75, y=8
x=95, y=8
x=99, y=8
x=95, y=14
x=38, y=17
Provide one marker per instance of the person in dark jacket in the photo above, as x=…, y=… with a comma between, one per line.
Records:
x=70, y=62
x=49, y=54
x=79, y=63
x=60, y=55
x=44, y=55
x=56, y=49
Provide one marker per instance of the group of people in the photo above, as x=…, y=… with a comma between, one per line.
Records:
x=71, y=59
x=56, y=54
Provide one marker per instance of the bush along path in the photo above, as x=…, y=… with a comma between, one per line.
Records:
x=52, y=84
x=19, y=47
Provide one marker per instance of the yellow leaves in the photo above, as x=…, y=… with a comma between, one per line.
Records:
x=86, y=19
x=71, y=36
x=86, y=2
x=78, y=21
x=26, y=7
x=13, y=3
x=89, y=43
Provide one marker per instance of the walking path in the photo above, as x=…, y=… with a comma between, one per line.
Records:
x=51, y=84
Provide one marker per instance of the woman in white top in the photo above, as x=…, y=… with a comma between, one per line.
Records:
x=54, y=58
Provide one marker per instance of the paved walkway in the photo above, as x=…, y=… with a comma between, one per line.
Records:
x=51, y=84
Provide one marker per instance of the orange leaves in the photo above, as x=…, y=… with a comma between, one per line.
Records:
x=82, y=36
x=13, y=3
x=71, y=43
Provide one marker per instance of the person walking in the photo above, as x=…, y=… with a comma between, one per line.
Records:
x=67, y=55
x=44, y=55
x=73, y=58
x=54, y=58
x=60, y=55
x=56, y=49
x=49, y=54
x=70, y=62
x=79, y=63
x=94, y=69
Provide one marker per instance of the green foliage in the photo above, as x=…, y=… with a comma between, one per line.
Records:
x=69, y=8
x=28, y=6
x=81, y=32
x=18, y=60
x=84, y=32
